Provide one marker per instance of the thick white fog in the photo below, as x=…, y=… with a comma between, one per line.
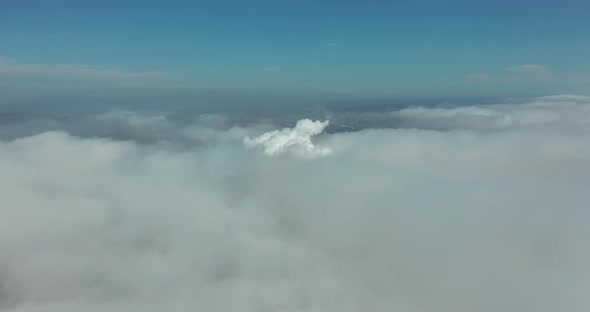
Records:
x=481, y=208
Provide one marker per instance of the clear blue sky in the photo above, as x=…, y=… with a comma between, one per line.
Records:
x=412, y=47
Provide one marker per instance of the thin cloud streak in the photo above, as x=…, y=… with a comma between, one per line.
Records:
x=271, y=68
x=38, y=70
x=530, y=68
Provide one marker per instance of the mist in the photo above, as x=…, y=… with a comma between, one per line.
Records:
x=480, y=207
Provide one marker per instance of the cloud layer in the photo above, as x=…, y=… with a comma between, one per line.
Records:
x=468, y=210
x=561, y=112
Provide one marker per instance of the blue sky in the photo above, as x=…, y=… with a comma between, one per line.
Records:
x=413, y=47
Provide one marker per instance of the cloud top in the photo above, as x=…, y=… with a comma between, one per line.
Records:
x=296, y=140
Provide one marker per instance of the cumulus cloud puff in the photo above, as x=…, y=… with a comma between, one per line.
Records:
x=296, y=140
x=478, y=217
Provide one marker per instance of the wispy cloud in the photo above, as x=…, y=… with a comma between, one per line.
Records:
x=528, y=68
x=479, y=77
x=529, y=73
x=271, y=68
x=540, y=79
x=39, y=70
x=509, y=78
x=332, y=44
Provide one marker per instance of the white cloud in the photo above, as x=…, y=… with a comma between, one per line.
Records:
x=474, y=219
x=529, y=68
x=296, y=140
